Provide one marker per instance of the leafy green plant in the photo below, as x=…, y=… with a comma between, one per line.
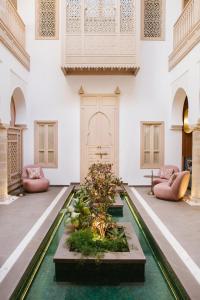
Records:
x=95, y=230
x=101, y=185
x=79, y=214
x=86, y=242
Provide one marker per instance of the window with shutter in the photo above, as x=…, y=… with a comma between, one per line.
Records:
x=152, y=145
x=46, y=143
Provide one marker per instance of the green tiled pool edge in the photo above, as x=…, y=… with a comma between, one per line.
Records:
x=28, y=277
x=173, y=282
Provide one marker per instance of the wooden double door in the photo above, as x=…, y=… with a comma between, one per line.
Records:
x=99, y=131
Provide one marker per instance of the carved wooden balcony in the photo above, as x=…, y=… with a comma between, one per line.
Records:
x=12, y=32
x=99, y=37
x=186, y=32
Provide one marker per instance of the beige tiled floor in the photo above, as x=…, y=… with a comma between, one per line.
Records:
x=175, y=227
x=17, y=218
x=182, y=220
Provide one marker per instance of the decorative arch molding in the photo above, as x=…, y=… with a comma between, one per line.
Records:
x=91, y=131
x=11, y=143
x=15, y=138
x=177, y=108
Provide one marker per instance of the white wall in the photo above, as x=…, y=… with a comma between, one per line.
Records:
x=186, y=75
x=147, y=97
x=12, y=75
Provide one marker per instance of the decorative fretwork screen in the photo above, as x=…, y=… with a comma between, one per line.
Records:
x=14, y=144
x=99, y=34
x=153, y=19
x=47, y=19
x=99, y=16
x=152, y=145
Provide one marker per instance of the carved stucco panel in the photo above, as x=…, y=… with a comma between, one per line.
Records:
x=153, y=16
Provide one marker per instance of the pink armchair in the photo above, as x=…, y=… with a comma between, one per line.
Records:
x=173, y=189
x=37, y=185
x=165, y=173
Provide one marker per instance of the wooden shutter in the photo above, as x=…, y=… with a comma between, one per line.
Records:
x=152, y=144
x=46, y=143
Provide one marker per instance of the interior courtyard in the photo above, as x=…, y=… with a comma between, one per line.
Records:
x=92, y=93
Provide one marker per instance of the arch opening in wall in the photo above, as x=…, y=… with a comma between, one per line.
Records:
x=18, y=108
x=15, y=138
x=177, y=109
x=12, y=113
x=179, y=121
x=186, y=140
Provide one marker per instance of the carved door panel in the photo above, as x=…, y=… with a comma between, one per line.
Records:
x=99, y=131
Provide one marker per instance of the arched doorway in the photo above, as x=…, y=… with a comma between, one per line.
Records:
x=186, y=140
x=99, y=130
x=18, y=100
x=177, y=108
x=15, y=138
x=179, y=119
x=12, y=113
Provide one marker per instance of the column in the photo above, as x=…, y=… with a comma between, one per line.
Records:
x=196, y=163
x=3, y=164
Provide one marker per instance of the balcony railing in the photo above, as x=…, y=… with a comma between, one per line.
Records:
x=186, y=33
x=12, y=31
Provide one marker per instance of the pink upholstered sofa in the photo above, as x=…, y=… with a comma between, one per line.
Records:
x=173, y=190
x=165, y=173
x=34, y=185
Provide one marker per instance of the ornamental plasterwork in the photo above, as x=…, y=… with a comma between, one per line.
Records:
x=47, y=19
x=127, y=10
x=73, y=16
x=100, y=35
x=153, y=16
x=100, y=16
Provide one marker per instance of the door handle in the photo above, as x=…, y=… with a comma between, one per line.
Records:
x=101, y=154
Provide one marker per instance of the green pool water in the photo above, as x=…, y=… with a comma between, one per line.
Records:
x=44, y=287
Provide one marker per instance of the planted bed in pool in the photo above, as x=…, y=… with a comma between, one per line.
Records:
x=113, y=267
